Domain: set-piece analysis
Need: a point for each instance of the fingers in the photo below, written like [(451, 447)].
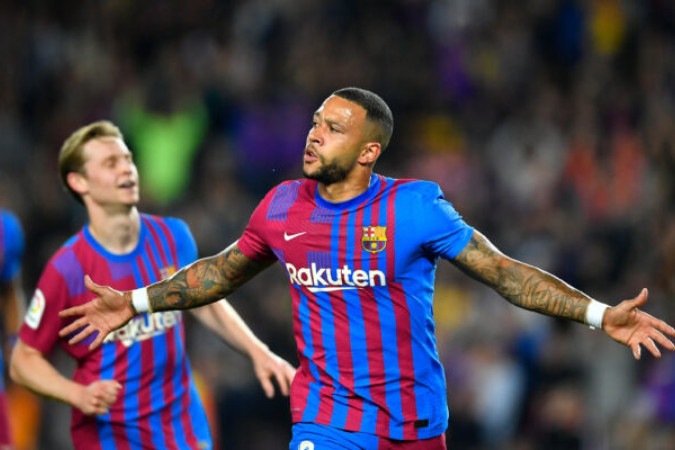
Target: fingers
[(289, 374), (84, 331), (652, 347), (97, 342), (637, 351), (638, 301), (93, 287), (100, 396), (268, 387), (74, 311), (72, 327), (663, 341), (662, 326)]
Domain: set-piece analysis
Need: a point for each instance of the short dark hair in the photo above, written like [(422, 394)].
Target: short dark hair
[(377, 110)]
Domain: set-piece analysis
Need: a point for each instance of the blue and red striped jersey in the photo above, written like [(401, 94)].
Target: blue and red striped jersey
[(158, 405), (361, 276), (11, 251)]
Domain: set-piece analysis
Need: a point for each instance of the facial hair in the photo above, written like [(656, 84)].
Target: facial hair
[(329, 173)]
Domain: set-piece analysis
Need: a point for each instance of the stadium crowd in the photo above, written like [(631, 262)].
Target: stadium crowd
[(549, 124)]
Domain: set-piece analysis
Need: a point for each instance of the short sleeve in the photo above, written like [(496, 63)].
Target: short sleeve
[(41, 323), (186, 246), (444, 231), (13, 243), (252, 242)]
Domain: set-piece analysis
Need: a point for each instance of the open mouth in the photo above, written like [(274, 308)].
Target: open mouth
[(310, 155), (127, 185)]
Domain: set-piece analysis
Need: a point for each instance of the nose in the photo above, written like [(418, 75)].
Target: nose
[(127, 165), (314, 136)]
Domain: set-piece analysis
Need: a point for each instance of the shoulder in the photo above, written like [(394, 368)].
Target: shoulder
[(291, 188), (286, 193), (10, 223), (419, 189), (166, 224)]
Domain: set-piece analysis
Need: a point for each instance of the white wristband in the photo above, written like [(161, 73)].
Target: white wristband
[(140, 300), (594, 314)]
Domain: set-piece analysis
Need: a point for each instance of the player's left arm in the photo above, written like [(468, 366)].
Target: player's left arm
[(531, 288), (224, 320)]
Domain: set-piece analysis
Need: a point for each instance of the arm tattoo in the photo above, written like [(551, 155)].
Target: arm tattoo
[(521, 284), (205, 281)]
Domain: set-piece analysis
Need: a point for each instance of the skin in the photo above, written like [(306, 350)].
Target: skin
[(109, 187), (340, 153)]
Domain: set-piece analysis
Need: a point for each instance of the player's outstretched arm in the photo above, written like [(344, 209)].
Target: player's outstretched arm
[(203, 282), (534, 289)]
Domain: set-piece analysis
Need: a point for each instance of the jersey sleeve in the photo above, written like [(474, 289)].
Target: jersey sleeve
[(186, 246), (14, 243), (42, 323), (252, 242), (444, 231)]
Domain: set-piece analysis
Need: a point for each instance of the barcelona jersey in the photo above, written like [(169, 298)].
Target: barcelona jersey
[(158, 405), (361, 276), (11, 252)]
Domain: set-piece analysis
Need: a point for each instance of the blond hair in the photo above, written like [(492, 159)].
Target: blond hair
[(71, 156)]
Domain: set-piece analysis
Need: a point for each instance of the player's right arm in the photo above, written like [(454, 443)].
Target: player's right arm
[(203, 282), (29, 368)]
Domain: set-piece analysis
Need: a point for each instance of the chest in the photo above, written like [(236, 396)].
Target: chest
[(332, 237)]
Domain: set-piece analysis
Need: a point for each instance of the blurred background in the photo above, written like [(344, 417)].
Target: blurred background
[(548, 123)]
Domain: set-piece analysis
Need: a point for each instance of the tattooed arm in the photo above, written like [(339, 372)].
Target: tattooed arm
[(205, 281), (534, 289), (521, 284)]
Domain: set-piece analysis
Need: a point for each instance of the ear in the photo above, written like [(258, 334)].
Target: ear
[(77, 182), (370, 152)]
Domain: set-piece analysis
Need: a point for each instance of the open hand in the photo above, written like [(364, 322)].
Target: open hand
[(268, 366), (626, 324), (107, 312)]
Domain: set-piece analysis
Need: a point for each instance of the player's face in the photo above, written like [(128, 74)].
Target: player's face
[(335, 140), (110, 175)]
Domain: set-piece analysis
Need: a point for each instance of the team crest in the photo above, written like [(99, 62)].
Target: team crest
[(374, 238), (166, 272)]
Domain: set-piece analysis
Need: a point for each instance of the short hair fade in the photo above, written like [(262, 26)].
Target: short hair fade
[(376, 108)]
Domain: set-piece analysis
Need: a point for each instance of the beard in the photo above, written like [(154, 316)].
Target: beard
[(328, 173)]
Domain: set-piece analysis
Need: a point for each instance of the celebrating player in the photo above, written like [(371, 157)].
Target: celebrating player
[(360, 251)]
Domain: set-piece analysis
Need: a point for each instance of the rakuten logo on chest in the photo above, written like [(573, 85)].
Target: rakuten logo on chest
[(322, 279), (144, 327)]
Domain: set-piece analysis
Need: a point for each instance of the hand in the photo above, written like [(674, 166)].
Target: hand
[(98, 397), (626, 324), (108, 312), (268, 366)]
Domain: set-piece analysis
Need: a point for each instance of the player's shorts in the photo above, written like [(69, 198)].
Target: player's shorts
[(310, 436)]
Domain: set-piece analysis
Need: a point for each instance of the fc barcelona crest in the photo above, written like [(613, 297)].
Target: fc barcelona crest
[(374, 239)]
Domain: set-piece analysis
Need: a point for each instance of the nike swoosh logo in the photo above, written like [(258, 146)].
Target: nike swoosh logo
[(288, 237)]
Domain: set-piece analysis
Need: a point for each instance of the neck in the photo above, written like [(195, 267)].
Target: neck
[(117, 231), (344, 190)]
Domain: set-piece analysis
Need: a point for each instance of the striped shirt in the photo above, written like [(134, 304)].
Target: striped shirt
[(158, 406), (361, 276)]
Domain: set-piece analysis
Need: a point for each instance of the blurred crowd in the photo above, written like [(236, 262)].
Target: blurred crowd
[(548, 123)]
